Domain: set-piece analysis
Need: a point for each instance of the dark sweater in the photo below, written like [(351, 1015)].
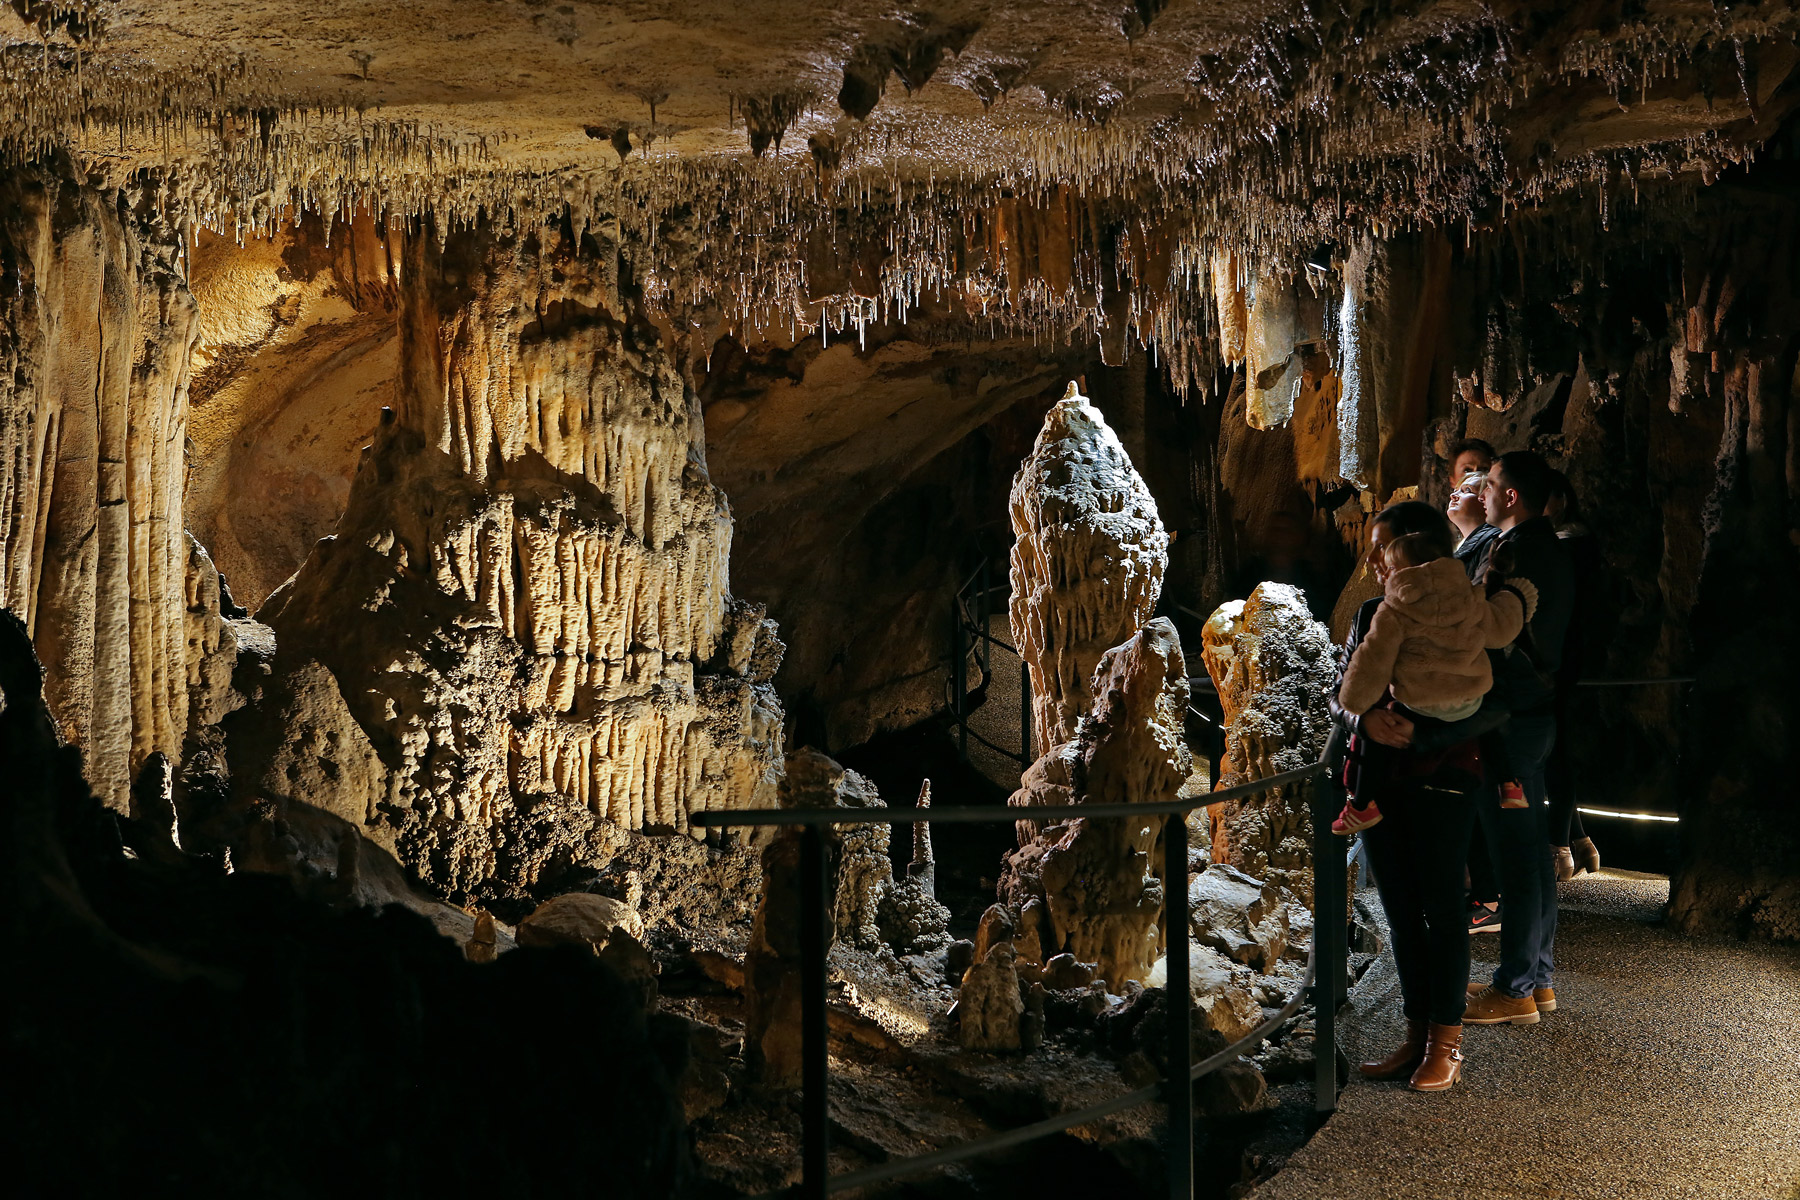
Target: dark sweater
[(1525, 672), (1470, 552)]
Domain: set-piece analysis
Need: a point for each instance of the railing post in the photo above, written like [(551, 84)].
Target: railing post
[(815, 1126), (1180, 1007), (1329, 947)]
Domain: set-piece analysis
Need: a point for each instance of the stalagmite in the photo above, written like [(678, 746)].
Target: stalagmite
[(1273, 666), (1088, 562), (1095, 878)]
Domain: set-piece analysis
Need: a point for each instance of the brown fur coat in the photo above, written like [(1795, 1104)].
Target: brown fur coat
[(1430, 638)]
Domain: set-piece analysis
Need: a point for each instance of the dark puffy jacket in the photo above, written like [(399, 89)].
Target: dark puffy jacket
[(1525, 672)]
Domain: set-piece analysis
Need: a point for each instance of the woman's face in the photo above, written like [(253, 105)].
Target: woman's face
[(1464, 508), (1380, 535)]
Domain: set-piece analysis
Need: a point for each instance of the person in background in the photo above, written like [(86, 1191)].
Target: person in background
[(1518, 839), (1470, 454), (1572, 851), (1469, 518)]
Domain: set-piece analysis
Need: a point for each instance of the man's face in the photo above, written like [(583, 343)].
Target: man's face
[(1469, 460), (1497, 500)]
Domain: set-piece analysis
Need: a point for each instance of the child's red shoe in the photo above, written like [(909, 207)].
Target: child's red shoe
[(1512, 795), (1355, 820)]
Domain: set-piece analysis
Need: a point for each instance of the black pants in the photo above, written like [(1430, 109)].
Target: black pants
[(1418, 851), (1559, 778)]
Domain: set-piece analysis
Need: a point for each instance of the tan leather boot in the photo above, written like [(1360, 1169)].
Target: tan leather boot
[(1443, 1060), (1587, 857), (1403, 1061), (1564, 861)]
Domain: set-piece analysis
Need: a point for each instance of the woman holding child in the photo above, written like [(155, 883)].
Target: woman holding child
[(1411, 697)]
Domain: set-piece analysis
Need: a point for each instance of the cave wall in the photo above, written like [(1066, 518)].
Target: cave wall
[(296, 354), (866, 477), (1651, 354), (96, 327)]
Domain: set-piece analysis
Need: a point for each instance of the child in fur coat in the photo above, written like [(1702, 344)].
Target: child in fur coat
[(1427, 646)]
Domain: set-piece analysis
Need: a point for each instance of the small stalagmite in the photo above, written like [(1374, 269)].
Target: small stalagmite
[(1274, 667), (1096, 878), (1088, 562)]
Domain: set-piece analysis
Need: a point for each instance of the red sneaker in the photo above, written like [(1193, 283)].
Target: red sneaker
[(1512, 795), (1355, 820)]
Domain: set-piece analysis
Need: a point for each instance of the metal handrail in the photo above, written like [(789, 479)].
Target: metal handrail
[(1329, 948)]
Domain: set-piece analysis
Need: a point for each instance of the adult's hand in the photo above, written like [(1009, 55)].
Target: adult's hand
[(1388, 727)]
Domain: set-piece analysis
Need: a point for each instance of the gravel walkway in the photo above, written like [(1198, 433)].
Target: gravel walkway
[(1671, 1068)]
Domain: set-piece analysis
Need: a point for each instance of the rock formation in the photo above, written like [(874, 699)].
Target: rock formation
[(1088, 562), (522, 626), (238, 971), (1272, 373), (95, 333), (1274, 667), (1096, 880), (869, 910)]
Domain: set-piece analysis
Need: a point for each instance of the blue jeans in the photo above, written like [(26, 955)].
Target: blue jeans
[(1518, 842)]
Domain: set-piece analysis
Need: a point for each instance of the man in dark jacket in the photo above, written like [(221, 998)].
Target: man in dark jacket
[(1526, 549)]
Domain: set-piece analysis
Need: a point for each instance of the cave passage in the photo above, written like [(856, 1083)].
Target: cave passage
[(456, 458)]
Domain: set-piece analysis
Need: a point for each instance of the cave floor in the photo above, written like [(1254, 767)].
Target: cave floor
[(1671, 1068)]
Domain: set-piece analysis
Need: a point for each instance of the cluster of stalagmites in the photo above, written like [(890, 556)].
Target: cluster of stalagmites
[(1078, 935)]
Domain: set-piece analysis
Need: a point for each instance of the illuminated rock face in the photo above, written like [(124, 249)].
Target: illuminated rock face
[(1274, 666), (1095, 878), (95, 334), (1088, 562), (525, 610)]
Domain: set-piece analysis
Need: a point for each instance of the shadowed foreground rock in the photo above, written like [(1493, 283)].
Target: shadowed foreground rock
[(175, 1029)]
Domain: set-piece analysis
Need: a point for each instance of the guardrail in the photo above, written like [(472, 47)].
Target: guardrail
[(1326, 982)]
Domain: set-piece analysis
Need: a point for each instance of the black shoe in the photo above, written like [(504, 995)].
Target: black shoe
[(1483, 919)]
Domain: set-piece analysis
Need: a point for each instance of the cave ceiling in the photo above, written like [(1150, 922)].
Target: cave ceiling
[(828, 163)]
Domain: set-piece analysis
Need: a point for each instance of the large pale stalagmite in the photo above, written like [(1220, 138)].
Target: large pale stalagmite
[(526, 607), (1088, 562), (1095, 878), (95, 334), (1274, 666)]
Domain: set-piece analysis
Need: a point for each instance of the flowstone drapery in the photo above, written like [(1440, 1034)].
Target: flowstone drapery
[(1088, 562), (523, 626), (1097, 888), (96, 327)]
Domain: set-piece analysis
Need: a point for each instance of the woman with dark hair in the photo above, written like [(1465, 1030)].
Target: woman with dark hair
[(1427, 798), (1572, 849)]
